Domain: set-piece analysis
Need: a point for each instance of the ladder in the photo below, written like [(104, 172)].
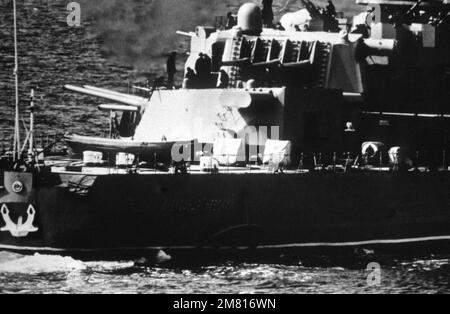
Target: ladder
[(322, 60), (236, 55)]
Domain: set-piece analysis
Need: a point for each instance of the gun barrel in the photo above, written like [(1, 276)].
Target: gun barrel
[(187, 34), (115, 107), (116, 97), (102, 90)]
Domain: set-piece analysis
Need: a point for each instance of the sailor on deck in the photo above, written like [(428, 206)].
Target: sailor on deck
[(330, 22), (231, 21), (203, 68), (190, 79), (267, 13), (171, 69), (224, 79)]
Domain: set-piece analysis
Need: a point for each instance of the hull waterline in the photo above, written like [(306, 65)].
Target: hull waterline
[(138, 215)]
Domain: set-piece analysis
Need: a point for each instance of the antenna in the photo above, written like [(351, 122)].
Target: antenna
[(31, 135), (16, 75)]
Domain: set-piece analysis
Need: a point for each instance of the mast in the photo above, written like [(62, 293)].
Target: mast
[(16, 76), (31, 135)]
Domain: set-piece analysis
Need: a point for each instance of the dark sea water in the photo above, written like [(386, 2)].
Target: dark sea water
[(119, 44), (54, 274)]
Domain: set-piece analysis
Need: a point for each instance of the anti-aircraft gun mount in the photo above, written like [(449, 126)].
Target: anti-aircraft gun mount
[(415, 79), (394, 12)]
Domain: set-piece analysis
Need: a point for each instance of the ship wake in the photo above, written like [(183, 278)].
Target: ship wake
[(36, 264)]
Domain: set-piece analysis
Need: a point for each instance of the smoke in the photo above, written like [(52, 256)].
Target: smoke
[(141, 32), (137, 31)]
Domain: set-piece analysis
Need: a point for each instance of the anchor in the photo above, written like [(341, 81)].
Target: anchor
[(19, 230)]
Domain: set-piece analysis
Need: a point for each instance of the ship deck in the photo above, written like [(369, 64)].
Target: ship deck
[(77, 167)]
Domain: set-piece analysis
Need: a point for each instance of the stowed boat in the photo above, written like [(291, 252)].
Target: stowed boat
[(308, 142)]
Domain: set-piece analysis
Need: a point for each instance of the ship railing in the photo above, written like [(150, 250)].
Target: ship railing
[(335, 162), (43, 141), (420, 161)]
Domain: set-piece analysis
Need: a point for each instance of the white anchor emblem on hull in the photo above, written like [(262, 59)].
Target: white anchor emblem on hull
[(19, 230)]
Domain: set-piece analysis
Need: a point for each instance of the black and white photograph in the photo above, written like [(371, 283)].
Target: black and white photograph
[(222, 155)]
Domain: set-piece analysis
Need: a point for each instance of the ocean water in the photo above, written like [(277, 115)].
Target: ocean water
[(119, 44), (55, 274), (122, 43)]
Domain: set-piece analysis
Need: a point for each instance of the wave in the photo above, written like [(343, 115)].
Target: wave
[(15, 263)]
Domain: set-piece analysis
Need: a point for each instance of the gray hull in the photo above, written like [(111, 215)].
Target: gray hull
[(134, 214)]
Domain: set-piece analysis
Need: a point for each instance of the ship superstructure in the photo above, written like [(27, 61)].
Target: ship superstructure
[(278, 139)]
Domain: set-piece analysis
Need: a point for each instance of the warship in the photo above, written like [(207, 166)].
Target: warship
[(282, 138)]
